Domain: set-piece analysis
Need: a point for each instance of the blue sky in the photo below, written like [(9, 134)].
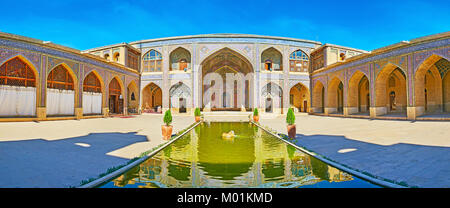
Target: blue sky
[(360, 24)]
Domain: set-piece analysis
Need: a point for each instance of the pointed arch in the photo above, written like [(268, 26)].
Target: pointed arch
[(180, 97), (19, 81), (299, 97), (429, 61), (272, 95), (151, 98), (116, 57), (62, 88), (271, 60), (92, 95), (25, 61), (152, 61), (215, 68), (390, 90), (428, 86), (116, 96), (318, 97), (358, 99), (180, 59), (62, 76), (298, 61), (335, 95), (132, 97), (93, 82)]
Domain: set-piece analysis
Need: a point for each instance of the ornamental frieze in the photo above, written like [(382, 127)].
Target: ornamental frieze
[(306, 50), (147, 82), (145, 50), (292, 83), (380, 65), (420, 57), (321, 79), (6, 54), (243, 49), (53, 62), (362, 68), (48, 51), (340, 75), (397, 52)]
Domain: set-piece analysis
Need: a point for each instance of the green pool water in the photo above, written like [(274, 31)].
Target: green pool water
[(253, 158)]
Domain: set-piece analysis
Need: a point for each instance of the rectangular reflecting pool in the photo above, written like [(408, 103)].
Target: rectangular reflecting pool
[(211, 156)]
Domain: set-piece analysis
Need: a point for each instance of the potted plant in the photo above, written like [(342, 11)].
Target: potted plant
[(167, 128), (290, 120), (197, 114), (255, 115)]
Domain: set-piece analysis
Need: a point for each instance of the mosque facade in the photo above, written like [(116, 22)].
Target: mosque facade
[(40, 80)]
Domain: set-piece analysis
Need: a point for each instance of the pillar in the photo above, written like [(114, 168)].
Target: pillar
[(165, 76), (285, 86)]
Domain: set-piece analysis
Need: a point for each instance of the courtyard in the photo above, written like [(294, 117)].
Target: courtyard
[(63, 153)]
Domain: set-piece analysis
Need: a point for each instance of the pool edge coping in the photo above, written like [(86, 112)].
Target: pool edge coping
[(335, 164), (127, 167)]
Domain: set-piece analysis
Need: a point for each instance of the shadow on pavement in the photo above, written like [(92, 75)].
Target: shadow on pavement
[(61, 163), (417, 165)]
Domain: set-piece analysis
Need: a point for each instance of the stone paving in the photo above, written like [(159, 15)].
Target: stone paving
[(416, 153), (63, 153), (59, 154)]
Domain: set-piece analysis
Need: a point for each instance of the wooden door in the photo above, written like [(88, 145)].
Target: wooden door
[(119, 106), (112, 104)]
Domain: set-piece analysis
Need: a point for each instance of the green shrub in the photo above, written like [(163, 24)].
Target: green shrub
[(197, 112), (255, 112), (168, 117), (290, 117)]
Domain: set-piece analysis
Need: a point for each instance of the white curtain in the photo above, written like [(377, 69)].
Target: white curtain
[(92, 103), (60, 102), (17, 101)]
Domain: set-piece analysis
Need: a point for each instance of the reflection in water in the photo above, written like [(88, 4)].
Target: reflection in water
[(253, 158)]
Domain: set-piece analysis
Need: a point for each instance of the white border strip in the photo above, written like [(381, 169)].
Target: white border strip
[(114, 174), (336, 165)]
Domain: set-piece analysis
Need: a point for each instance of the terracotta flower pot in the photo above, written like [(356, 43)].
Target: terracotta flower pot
[(197, 118), (256, 119), (292, 131), (166, 131)]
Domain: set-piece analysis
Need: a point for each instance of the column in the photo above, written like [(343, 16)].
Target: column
[(79, 93), (285, 79), (196, 102), (411, 110), (165, 76), (256, 80)]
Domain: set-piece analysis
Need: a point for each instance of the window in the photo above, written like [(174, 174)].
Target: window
[(179, 60), (15, 72), (132, 60), (92, 83), (116, 57), (59, 78), (298, 61), (271, 60), (152, 61)]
